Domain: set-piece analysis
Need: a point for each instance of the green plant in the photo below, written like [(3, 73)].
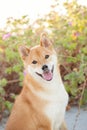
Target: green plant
[(11, 65)]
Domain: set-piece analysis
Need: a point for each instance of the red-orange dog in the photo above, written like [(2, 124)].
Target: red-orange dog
[(43, 100)]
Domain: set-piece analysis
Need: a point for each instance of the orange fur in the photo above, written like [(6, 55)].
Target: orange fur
[(27, 113)]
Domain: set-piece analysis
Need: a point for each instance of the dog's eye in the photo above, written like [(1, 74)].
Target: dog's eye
[(46, 56), (34, 62)]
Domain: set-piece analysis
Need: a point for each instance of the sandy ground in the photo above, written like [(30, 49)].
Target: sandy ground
[(70, 119)]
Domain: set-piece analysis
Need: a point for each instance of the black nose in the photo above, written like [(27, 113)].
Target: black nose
[(44, 67)]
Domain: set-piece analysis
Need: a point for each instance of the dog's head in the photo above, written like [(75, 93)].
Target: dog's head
[(40, 61)]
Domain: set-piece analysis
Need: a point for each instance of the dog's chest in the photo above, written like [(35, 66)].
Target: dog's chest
[(55, 113), (55, 109)]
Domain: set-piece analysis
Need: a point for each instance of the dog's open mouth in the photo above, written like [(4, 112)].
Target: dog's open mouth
[(47, 75)]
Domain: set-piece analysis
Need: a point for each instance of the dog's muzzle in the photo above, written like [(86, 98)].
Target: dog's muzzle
[(47, 74)]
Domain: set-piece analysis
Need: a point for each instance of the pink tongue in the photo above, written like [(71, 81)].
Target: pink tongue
[(47, 76)]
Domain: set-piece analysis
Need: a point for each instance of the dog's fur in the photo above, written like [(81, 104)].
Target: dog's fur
[(43, 100)]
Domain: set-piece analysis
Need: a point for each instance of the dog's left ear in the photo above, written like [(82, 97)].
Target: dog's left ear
[(44, 41), (24, 52)]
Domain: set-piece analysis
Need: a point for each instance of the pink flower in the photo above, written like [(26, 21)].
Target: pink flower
[(5, 36), (25, 72), (70, 23), (76, 34)]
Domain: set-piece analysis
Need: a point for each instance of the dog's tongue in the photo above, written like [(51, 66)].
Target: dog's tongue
[(47, 75)]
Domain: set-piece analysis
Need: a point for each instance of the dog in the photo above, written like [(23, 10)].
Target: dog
[(42, 102)]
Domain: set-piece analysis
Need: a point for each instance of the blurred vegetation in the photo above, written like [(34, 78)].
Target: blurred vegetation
[(69, 35)]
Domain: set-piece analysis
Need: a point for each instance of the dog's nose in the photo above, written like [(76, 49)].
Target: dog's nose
[(44, 67)]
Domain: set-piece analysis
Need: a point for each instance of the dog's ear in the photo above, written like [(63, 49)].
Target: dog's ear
[(24, 51), (44, 41)]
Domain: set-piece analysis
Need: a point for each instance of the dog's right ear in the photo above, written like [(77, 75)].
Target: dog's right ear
[(44, 41), (24, 51)]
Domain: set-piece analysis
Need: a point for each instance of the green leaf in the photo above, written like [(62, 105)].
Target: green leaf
[(71, 59), (84, 99), (8, 105), (16, 68), (3, 82), (84, 50), (8, 70)]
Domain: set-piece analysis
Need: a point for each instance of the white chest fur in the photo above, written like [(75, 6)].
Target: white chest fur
[(55, 109)]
